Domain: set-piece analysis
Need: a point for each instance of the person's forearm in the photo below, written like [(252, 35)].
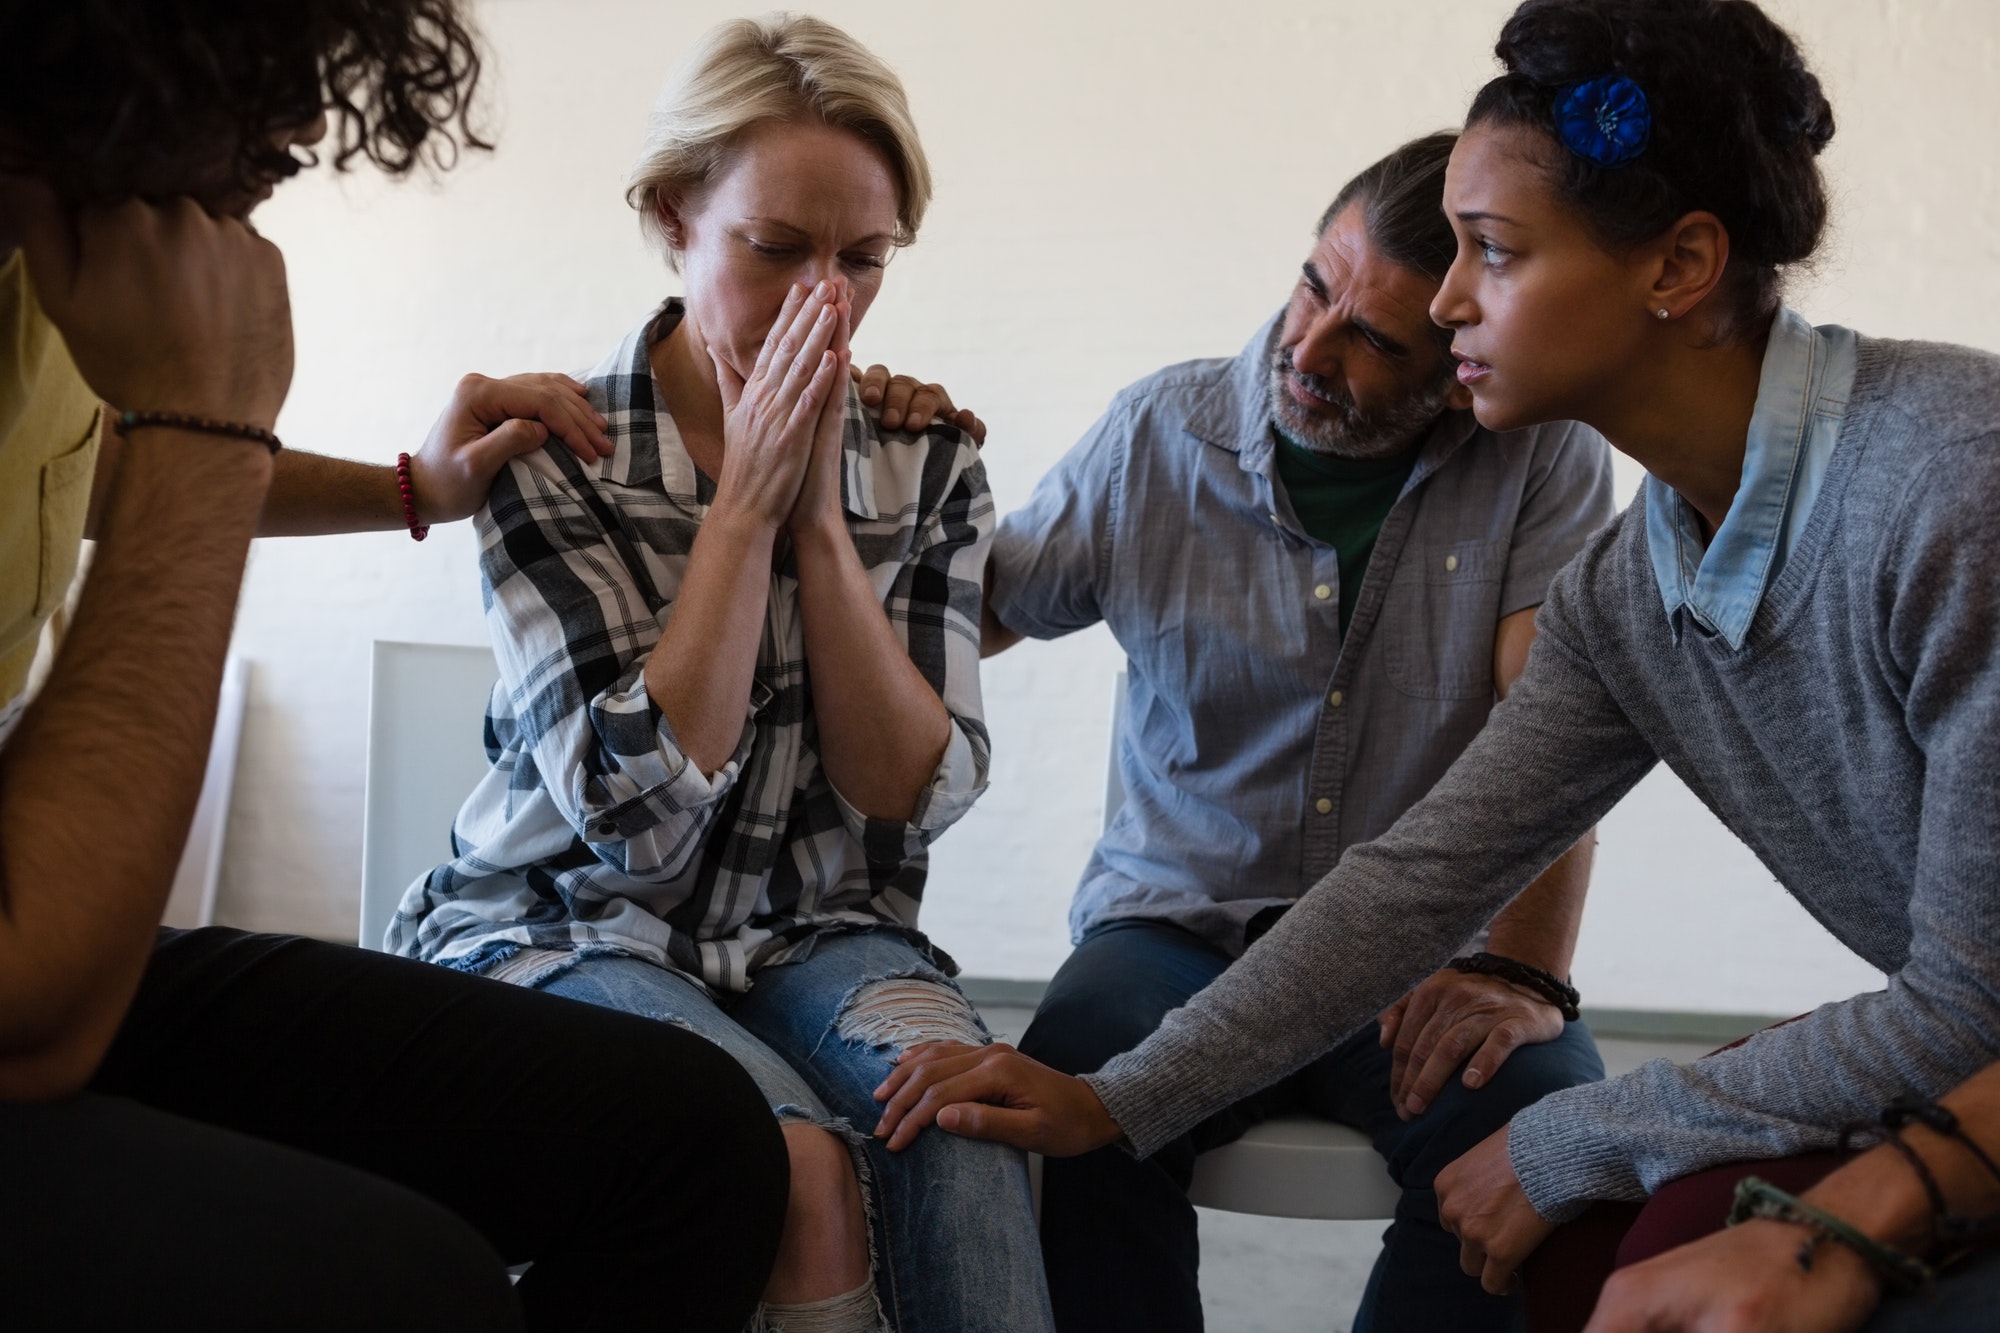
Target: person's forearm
[(882, 727), (1881, 1193), (700, 671), (1540, 926), (98, 784), (312, 495)]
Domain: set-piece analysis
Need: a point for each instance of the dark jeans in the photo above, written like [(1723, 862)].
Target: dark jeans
[(1118, 1235), (291, 1134)]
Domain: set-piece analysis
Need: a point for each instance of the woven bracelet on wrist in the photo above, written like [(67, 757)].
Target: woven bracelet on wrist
[(1907, 1110), (1955, 1235), (127, 422), (418, 531), (1942, 1222), (1550, 987), (1759, 1198)]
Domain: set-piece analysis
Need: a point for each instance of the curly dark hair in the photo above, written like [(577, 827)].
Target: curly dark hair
[(108, 99), (1738, 124)]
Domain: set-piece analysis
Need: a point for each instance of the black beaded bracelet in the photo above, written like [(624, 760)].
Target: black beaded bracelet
[(1550, 987), (128, 422)]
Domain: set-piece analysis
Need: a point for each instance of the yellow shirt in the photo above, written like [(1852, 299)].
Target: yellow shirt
[(48, 454)]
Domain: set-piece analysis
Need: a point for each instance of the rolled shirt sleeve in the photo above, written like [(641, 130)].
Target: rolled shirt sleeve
[(1051, 556)]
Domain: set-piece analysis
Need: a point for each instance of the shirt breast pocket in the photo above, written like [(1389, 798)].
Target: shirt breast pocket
[(64, 508), (1439, 620)]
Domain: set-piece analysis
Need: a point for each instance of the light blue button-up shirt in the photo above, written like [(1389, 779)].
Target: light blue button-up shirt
[(1801, 402), (1258, 743)]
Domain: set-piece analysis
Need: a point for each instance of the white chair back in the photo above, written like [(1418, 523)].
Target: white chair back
[(426, 720)]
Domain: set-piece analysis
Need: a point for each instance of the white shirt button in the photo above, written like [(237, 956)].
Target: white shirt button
[(1322, 592), (1336, 699), (1274, 518), (1323, 805), (1451, 564)]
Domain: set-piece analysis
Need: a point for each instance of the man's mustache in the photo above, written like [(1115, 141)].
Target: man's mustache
[(1319, 386)]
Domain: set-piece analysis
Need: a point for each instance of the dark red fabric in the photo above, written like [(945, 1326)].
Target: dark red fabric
[(1561, 1280), (1696, 1205)]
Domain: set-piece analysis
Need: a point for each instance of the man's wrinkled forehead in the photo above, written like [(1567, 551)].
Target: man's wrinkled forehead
[(1358, 278)]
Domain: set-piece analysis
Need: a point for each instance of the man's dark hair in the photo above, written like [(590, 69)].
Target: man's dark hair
[(1403, 205), (105, 99)]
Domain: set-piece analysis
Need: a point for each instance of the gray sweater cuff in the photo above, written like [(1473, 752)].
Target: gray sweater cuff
[(1151, 1106), (1562, 1167)]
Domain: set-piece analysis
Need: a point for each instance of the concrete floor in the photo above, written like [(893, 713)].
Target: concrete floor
[(1281, 1275)]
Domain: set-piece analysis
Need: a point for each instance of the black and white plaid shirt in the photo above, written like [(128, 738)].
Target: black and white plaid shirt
[(593, 830)]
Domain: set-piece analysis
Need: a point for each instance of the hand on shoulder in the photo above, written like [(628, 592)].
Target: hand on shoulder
[(907, 403), (491, 421)]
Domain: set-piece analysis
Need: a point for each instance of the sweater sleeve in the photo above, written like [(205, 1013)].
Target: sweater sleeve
[(1553, 758), (1789, 1088)]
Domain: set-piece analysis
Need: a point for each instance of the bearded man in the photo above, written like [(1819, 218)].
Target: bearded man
[(1323, 573)]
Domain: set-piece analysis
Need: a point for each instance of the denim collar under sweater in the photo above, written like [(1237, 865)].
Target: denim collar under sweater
[(1801, 403)]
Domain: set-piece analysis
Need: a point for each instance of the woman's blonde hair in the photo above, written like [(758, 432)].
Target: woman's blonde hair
[(780, 67)]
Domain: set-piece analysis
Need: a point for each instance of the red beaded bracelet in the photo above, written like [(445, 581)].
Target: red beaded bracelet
[(418, 531)]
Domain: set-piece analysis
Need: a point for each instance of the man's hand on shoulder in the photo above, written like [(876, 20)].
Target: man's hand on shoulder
[(489, 422), (1452, 1016), (910, 404)]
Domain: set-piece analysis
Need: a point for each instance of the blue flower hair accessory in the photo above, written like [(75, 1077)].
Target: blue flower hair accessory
[(1605, 120)]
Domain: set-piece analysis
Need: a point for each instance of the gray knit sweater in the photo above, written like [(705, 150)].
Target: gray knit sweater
[(1851, 744)]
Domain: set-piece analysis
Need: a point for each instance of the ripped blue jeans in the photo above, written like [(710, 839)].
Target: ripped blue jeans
[(951, 1225)]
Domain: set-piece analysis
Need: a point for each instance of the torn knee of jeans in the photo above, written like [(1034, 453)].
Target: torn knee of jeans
[(902, 1012), (857, 1311), (790, 1113)]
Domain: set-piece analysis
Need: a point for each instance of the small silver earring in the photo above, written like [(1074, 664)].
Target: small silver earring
[(1662, 313)]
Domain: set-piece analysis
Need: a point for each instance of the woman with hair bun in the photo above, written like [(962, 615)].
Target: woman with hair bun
[(1797, 615), (1784, 616)]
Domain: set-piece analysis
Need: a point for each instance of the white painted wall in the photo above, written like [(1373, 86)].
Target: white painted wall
[(1122, 184)]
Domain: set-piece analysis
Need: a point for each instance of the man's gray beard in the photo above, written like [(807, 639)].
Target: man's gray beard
[(1351, 433)]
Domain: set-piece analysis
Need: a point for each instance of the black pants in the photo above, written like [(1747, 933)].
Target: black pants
[(1118, 1234), (295, 1135)]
